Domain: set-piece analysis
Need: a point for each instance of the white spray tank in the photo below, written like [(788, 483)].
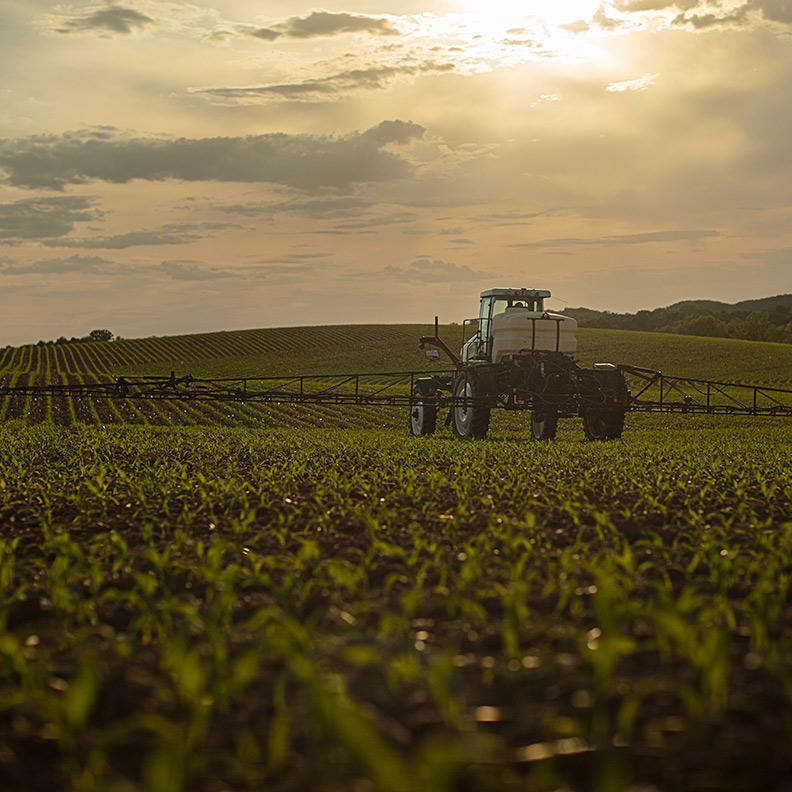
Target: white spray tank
[(519, 330)]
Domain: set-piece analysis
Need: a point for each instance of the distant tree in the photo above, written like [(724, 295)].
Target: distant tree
[(699, 325), (642, 321), (754, 327), (99, 335), (780, 315)]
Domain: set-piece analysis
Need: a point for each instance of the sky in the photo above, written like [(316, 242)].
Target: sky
[(170, 167)]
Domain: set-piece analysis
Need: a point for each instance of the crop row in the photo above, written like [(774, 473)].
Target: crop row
[(290, 351), (101, 357), (205, 609), (250, 353)]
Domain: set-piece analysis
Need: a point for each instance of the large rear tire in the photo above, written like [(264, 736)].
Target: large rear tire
[(469, 421), (603, 424), (423, 417), (544, 425)]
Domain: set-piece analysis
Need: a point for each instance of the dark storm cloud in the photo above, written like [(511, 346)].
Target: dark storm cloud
[(301, 161), (112, 19), (371, 79), (325, 23), (44, 218), (693, 235), (435, 271), (61, 266)]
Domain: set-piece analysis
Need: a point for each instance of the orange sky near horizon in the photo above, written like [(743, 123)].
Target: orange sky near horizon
[(170, 167)]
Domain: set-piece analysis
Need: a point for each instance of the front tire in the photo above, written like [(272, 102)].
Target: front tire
[(544, 425), (423, 417), (469, 421), (603, 424)]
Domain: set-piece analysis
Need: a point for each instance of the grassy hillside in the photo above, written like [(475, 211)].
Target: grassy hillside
[(323, 350), (690, 356)]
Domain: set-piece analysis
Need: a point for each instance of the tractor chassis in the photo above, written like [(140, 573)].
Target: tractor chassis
[(549, 384)]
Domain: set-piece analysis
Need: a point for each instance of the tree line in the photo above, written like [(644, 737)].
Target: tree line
[(773, 325), (94, 335)]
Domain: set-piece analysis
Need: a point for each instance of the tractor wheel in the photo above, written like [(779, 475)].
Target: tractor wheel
[(469, 421), (603, 425), (544, 425), (423, 417)]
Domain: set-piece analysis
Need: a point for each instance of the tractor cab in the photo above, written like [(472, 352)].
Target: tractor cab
[(514, 321)]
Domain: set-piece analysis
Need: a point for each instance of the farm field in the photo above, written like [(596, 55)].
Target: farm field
[(247, 597), (324, 350)]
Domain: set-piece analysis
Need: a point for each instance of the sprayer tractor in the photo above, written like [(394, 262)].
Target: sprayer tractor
[(521, 357)]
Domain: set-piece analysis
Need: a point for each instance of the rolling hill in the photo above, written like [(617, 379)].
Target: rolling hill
[(325, 350), (777, 309)]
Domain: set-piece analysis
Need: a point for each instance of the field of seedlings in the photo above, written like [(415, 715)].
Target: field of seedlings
[(216, 598)]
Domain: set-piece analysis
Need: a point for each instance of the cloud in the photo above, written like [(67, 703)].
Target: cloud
[(325, 23), (374, 222), (516, 217), (43, 218), (320, 207), (171, 234), (281, 272), (639, 84), (188, 270), (693, 235), (288, 265), (775, 10), (654, 5), (435, 271), (702, 21), (369, 79), (301, 161), (176, 269), (111, 19), (61, 266), (294, 258), (701, 15), (130, 239), (603, 19), (690, 14)]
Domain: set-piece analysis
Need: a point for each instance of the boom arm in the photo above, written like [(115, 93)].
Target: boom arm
[(435, 340)]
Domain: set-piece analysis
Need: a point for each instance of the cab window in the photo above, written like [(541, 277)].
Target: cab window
[(485, 333)]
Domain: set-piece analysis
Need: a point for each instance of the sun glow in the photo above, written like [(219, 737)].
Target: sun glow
[(496, 33), (507, 13)]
